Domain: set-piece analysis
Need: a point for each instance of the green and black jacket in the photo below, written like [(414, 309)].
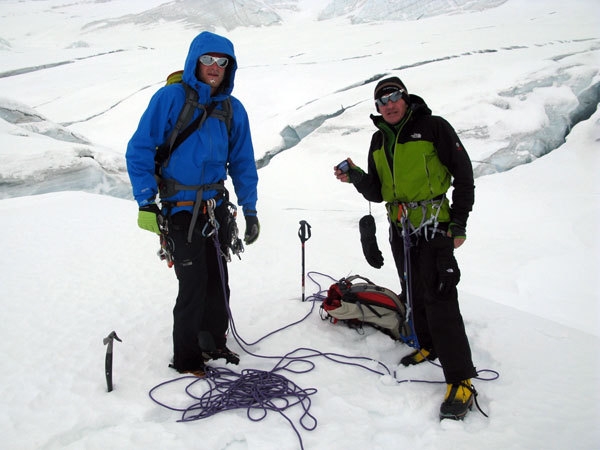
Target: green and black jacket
[(416, 161)]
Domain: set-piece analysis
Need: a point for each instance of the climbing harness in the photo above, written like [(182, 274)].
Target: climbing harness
[(429, 226), (168, 188), (232, 241)]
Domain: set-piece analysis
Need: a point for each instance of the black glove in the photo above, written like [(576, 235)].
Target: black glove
[(355, 174), (457, 231), (368, 240), (252, 229), (448, 274)]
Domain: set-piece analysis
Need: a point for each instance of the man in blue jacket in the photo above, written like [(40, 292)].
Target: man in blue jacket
[(193, 199)]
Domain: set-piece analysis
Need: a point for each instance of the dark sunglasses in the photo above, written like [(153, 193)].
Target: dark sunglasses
[(393, 97), (209, 60)]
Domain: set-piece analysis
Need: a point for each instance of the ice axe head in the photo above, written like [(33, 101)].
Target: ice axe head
[(110, 337)]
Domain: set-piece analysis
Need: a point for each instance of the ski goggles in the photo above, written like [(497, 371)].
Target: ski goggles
[(393, 97), (209, 60)]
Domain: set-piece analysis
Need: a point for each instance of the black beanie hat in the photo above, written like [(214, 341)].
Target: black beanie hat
[(389, 85)]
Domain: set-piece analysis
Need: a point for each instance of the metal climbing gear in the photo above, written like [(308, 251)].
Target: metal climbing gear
[(165, 252), (429, 225), (212, 225), (232, 239), (230, 232)]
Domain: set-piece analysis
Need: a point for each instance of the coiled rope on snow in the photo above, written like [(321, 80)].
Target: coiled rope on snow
[(259, 392)]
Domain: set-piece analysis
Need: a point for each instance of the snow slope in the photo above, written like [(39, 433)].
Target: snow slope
[(76, 267)]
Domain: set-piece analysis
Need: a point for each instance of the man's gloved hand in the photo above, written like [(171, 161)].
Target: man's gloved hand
[(148, 218), (252, 229), (448, 274), (457, 231), (368, 239), (355, 174), (348, 173)]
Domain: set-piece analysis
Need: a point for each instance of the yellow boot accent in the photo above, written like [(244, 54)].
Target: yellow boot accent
[(458, 400), (417, 357), (459, 392)]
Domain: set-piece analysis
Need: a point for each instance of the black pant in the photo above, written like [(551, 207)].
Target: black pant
[(437, 320), (200, 316)]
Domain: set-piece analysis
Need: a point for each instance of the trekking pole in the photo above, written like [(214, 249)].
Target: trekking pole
[(304, 235), (109, 358)]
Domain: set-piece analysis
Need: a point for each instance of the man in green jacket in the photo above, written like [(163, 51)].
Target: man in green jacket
[(414, 159)]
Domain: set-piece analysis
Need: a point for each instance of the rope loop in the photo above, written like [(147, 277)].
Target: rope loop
[(260, 392)]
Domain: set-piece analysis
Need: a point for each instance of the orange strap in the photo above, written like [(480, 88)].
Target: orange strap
[(400, 211), (191, 203)]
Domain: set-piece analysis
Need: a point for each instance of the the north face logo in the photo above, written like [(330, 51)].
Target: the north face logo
[(416, 135)]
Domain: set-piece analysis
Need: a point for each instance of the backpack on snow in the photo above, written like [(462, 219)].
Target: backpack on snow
[(366, 303), (183, 128)]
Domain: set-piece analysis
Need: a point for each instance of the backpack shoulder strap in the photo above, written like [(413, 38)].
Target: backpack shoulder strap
[(164, 151), (183, 128), (224, 114), (369, 286), (351, 278), (228, 113)]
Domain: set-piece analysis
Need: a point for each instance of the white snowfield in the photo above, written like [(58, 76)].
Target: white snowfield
[(518, 80)]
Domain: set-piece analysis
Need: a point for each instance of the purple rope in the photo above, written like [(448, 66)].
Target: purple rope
[(262, 391), (259, 391), (256, 391)]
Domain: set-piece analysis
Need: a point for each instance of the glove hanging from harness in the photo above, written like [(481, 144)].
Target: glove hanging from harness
[(368, 239)]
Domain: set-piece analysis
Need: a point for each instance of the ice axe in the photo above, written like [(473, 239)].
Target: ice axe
[(304, 235), (109, 358)]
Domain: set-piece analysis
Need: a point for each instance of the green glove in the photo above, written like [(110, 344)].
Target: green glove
[(147, 218)]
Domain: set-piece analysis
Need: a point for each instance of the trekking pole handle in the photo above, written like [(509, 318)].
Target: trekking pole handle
[(304, 231)]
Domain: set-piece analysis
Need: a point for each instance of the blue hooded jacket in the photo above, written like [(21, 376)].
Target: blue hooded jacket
[(209, 153)]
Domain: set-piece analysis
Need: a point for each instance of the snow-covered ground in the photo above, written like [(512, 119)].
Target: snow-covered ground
[(513, 77)]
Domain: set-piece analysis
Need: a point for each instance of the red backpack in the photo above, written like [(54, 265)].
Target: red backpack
[(366, 303)]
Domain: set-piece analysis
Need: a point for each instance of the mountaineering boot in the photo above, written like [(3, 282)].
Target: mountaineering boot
[(222, 353), (458, 401), (418, 356), (200, 373), (199, 370)]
